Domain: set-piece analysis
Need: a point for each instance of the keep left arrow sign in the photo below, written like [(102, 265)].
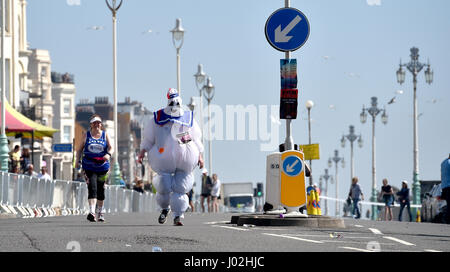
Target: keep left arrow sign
[(281, 35)]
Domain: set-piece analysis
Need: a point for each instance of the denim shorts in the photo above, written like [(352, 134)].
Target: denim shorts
[(388, 200)]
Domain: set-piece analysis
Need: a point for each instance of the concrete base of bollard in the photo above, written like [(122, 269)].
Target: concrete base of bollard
[(313, 221)]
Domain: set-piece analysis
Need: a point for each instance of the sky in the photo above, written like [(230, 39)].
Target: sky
[(352, 53)]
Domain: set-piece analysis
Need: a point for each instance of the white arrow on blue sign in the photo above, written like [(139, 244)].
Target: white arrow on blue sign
[(292, 166), (287, 29)]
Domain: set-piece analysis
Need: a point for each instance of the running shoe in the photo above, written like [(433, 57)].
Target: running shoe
[(163, 216), (100, 215), (91, 217), (177, 221)]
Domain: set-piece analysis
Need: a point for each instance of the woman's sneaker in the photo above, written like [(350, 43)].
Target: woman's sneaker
[(177, 221), (100, 215), (91, 217), (163, 216)]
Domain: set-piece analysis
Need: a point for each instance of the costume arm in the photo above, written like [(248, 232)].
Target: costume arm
[(197, 136), (148, 136)]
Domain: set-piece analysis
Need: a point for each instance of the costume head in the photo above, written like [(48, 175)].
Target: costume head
[(174, 103)]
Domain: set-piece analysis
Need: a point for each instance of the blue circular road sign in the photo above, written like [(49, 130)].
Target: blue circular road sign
[(292, 166), (287, 29)]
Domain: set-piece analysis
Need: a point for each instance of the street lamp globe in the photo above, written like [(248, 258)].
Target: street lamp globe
[(384, 117), (429, 75), (192, 104), (400, 75), (200, 75), (209, 87), (343, 162), (309, 104), (363, 115), (343, 141), (330, 163), (360, 141), (178, 33)]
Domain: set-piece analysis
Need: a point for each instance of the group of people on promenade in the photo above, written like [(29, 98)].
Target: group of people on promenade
[(387, 194), (20, 163)]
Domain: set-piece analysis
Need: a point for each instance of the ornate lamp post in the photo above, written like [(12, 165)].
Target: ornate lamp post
[(351, 137), (114, 8), (336, 159), (177, 38), (4, 149), (325, 176), (210, 91), (373, 111), (309, 105), (200, 77), (414, 66)]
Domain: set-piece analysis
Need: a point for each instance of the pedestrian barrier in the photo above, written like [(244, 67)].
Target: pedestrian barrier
[(27, 196)]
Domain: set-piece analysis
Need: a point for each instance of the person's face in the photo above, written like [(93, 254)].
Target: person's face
[(44, 169), (96, 125), (384, 182)]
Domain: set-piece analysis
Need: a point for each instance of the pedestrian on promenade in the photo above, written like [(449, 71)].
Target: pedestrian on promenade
[(403, 198), (215, 192), (44, 174), (14, 156), (445, 185), (139, 186), (95, 147), (356, 195), (30, 170), (388, 198), (191, 201), (206, 190), (173, 142), (25, 159)]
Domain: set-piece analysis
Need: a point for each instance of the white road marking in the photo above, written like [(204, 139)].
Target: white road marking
[(359, 226), (216, 222), (234, 228), (432, 250), (357, 249), (295, 238), (375, 231), (398, 240)]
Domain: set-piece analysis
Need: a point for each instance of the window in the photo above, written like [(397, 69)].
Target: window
[(66, 106), (66, 135)]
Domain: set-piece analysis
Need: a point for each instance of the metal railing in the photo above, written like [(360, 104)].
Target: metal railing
[(31, 196)]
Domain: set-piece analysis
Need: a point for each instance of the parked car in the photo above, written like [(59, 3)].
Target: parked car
[(433, 207)]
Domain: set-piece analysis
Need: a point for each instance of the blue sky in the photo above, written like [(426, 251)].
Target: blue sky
[(352, 54)]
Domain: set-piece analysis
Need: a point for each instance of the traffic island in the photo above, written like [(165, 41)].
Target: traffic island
[(312, 221)]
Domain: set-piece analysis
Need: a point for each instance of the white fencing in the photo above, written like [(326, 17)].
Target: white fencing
[(32, 197)]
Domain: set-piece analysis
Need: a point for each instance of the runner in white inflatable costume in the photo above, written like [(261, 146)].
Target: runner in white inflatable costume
[(173, 142)]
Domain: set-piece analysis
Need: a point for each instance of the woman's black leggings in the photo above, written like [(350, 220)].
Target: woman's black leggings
[(96, 184)]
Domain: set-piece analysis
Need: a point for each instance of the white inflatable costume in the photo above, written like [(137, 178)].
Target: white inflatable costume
[(173, 142)]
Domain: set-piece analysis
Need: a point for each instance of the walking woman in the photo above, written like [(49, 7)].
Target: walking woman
[(96, 150), (388, 198)]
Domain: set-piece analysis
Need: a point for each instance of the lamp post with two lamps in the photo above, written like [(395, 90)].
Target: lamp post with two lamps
[(351, 137), (4, 149), (200, 77), (336, 159), (309, 105), (374, 111), (414, 66), (209, 94), (114, 7), (325, 176), (177, 38)]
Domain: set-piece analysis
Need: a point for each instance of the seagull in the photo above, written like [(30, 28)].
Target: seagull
[(332, 107), (95, 28), (399, 92), (392, 100)]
